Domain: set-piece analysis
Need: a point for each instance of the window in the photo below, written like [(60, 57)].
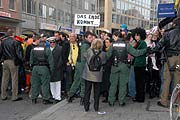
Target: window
[(67, 17), (42, 10), (0, 3), (114, 18), (61, 16), (93, 7), (52, 13), (29, 6), (86, 5), (80, 4), (33, 7), (74, 3), (12, 4), (24, 3)]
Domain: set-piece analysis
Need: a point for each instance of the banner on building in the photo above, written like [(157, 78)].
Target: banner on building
[(87, 20)]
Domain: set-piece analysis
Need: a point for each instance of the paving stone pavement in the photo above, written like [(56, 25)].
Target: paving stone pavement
[(132, 111)]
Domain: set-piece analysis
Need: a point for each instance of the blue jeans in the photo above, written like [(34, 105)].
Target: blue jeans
[(132, 83)]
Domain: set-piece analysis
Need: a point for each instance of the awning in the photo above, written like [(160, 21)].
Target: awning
[(10, 19)]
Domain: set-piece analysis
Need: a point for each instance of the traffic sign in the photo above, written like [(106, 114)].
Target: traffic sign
[(166, 10)]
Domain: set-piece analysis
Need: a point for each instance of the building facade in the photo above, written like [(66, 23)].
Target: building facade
[(134, 13), (47, 16), (10, 17)]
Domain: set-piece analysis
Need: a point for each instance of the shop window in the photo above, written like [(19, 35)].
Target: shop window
[(42, 10), (12, 4), (52, 13)]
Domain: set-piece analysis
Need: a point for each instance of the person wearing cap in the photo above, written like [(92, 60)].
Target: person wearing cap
[(41, 59), (57, 73), (124, 30)]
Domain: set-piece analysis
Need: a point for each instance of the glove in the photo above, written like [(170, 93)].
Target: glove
[(149, 50)]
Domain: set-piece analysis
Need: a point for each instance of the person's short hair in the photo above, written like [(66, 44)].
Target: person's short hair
[(118, 34), (176, 21), (57, 32), (97, 44), (9, 32), (36, 37), (87, 34)]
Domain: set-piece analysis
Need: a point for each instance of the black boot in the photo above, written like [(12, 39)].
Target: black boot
[(34, 101), (82, 101), (47, 102), (86, 107), (69, 99)]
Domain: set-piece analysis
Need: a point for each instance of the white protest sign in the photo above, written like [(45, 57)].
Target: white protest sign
[(87, 19)]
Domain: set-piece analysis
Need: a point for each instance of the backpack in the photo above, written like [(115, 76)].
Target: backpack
[(95, 62)]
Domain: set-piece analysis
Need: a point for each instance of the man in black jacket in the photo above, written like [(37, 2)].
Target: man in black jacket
[(171, 44), (62, 40), (11, 56)]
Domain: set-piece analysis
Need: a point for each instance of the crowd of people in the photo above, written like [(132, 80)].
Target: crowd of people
[(130, 63)]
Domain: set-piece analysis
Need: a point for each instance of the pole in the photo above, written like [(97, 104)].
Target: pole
[(71, 14)]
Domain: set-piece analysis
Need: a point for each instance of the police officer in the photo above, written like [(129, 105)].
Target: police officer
[(120, 68), (171, 43), (42, 61), (78, 81)]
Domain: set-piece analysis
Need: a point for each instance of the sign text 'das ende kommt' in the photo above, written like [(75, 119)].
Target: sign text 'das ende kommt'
[(87, 19)]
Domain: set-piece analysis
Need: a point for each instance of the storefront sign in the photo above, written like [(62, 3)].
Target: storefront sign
[(87, 19), (5, 14), (47, 26)]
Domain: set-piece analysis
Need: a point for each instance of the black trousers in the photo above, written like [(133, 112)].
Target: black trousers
[(69, 77), (88, 87), (140, 83)]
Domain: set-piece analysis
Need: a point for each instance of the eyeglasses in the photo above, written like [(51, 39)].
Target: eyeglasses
[(51, 42)]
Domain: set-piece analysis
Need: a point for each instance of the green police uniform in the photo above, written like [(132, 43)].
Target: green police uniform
[(120, 69), (78, 81), (42, 61)]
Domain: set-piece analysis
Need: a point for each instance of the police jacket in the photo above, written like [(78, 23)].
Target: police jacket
[(10, 50), (171, 42), (83, 46), (120, 51)]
